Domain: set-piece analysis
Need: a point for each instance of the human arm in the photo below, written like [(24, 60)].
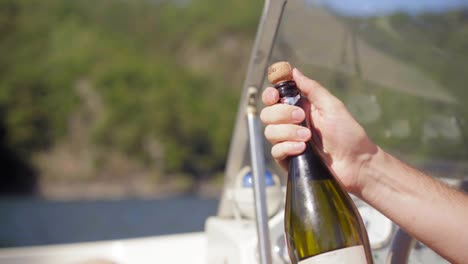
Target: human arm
[(430, 211)]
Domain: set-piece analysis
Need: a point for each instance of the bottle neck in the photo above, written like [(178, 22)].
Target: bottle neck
[(291, 95), (308, 165), (308, 162), (288, 92)]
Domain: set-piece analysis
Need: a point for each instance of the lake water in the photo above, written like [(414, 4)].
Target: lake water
[(31, 221)]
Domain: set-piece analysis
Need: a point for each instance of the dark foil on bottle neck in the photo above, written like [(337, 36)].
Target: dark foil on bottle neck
[(307, 164), (287, 89)]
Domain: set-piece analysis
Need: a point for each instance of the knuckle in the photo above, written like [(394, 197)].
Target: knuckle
[(292, 133), (276, 151), (265, 97), (269, 95), (314, 83), (273, 151), (267, 131), (263, 115), (339, 105)]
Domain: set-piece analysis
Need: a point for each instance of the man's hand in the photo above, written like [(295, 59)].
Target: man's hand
[(430, 211), (345, 143)]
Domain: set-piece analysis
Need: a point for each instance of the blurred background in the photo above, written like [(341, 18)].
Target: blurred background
[(116, 115), (116, 112)]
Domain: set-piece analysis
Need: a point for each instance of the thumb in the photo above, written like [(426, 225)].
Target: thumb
[(314, 91)]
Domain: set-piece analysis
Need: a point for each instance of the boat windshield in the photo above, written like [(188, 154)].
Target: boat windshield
[(401, 67)]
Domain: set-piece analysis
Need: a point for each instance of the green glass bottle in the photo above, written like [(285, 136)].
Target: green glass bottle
[(322, 224)]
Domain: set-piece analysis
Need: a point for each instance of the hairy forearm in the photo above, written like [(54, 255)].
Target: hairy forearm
[(430, 211)]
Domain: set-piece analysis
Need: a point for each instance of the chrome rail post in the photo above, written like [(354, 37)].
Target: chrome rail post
[(256, 72), (258, 176)]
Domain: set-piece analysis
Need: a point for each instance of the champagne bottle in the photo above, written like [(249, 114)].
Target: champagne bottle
[(322, 224)]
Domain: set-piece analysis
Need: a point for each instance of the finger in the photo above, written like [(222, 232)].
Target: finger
[(286, 132), (314, 91), (283, 150), (282, 114), (270, 96)]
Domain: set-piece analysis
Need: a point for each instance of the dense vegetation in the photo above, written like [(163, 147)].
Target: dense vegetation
[(155, 81), (437, 45), (92, 89)]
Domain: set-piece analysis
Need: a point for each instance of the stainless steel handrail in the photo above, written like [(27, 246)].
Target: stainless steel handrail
[(258, 64), (258, 176), (266, 34)]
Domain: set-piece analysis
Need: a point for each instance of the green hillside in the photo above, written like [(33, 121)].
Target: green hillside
[(145, 93), (96, 89)]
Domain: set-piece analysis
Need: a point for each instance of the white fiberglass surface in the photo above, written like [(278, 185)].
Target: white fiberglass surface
[(184, 248)]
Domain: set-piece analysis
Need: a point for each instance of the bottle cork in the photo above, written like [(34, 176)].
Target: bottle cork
[(280, 72)]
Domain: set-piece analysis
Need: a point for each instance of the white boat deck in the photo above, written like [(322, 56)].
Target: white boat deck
[(183, 248)]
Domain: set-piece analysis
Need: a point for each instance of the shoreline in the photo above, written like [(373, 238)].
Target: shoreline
[(124, 189)]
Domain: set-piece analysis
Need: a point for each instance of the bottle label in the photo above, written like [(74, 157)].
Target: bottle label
[(350, 255)]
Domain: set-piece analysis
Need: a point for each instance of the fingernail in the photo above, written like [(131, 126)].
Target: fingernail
[(297, 115), (303, 133), (296, 145)]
